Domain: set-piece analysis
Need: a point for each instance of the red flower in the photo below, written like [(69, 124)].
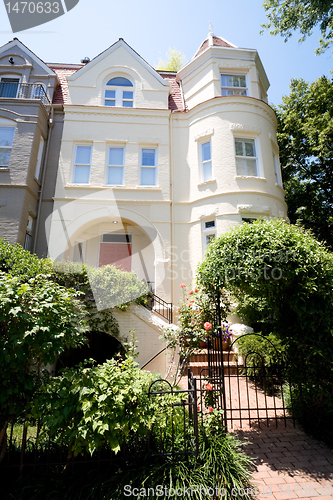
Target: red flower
[(196, 290), (207, 326), (199, 408), (182, 285), (191, 292), (210, 409), (209, 387)]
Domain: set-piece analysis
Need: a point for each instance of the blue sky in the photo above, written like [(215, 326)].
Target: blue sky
[(152, 26)]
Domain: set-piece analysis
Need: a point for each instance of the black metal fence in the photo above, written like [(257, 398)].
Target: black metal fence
[(27, 451)]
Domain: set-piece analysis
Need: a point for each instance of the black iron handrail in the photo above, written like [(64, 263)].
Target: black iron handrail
[(14, 90), (159, 306)]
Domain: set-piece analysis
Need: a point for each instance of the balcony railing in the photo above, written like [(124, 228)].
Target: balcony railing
[(13, 90)]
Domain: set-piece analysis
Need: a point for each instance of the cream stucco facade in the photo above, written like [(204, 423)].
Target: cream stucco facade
[(150, 165), (166, 219)]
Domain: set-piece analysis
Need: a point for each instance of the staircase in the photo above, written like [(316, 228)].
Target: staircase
[(199, 360)]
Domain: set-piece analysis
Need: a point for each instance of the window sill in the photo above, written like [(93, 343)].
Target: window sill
[(250, 177), (4, 169), (211, 181), (149, 188)]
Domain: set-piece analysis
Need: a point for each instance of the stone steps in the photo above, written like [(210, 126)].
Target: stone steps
[(199, 361)]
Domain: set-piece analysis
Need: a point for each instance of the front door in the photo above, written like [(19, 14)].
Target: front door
[(116, 249)]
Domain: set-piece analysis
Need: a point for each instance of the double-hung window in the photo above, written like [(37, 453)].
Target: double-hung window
[(233, 85), (206, 170), (277, 171), (115, 168), (82, 164), (6, 143), (9, 86), (119, 91), (246, 159), (39, 158), (208, 232), (148, 174)]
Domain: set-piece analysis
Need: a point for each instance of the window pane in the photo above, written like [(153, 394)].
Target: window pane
[(206, 152), (239, 148), (115, 175), (7, 136), (240, 166), (120, 82), (148, 157), (242, 81), (83, 154), (110, 103), (8, 87), (4, 157), (251, 167), (210, 223), (147, 176), (127, 95), (209, 238), (207, 171), (82, 174), (127, 104), (116, 156), (110, 94), (249, 148)]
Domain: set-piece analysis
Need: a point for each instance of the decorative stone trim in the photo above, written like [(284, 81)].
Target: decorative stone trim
[(254, 209)]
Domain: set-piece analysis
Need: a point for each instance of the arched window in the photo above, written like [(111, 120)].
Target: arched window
[(119, 91)]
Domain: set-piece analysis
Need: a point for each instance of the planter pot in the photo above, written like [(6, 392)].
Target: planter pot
[(217, 344)]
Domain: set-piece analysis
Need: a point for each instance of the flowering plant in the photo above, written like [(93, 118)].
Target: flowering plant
[(196, 314)]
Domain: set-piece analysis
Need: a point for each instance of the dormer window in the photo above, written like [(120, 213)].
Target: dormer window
[(119, 92), (233, 85)]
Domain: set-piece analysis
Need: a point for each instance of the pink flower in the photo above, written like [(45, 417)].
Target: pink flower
[(207, 326), (209, 387), (210, 409), (182, 285)]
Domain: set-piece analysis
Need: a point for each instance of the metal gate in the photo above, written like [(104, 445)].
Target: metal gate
[(249, 391)]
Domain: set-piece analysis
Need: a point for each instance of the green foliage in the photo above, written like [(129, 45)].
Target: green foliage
[(175, 60), (287, 16), (287, 268), (98, 407), (196, 315), (37, 319), (305, 136), (21, 262), (221, 463), (258, 350)]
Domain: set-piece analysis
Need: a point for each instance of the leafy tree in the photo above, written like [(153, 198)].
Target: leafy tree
[(286, 16), (305, 136), (175, 60), (292, 273), (38, 318)]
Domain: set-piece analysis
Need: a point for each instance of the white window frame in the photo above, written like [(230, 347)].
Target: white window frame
[(82, 254), (36, 90), (155, 167), (39, 158), (244, 157), (81, 164), (7, 147), (17, 77), (203, 162), (277, 169), (108, 166), (237, 89), (209, 231), (119, 92), (28, 233)]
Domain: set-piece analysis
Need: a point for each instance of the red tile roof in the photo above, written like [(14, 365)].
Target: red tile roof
[(62, 70), (217, 42)]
